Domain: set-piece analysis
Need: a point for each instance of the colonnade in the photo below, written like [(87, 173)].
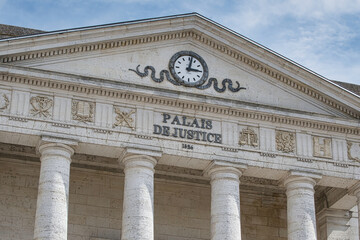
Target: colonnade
[(138, 206)]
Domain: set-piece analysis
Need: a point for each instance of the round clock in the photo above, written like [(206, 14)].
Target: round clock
[(188, 68)]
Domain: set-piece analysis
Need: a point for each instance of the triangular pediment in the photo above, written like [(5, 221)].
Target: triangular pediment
[(267, 81)]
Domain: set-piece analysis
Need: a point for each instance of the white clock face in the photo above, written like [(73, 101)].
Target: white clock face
[(188, 68)]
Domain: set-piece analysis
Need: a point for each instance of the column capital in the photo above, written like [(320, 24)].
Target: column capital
[(218, 166), (140, 157), (52, 142), (298, 176)]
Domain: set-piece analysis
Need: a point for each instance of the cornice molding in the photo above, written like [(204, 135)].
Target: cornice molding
[(155, 100), (195, 36)]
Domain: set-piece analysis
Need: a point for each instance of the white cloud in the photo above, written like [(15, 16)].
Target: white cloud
[(316, 34)]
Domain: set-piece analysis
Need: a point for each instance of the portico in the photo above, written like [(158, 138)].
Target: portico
[(102, 138)]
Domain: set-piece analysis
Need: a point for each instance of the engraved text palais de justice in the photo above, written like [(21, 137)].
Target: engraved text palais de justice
[(198, 128)]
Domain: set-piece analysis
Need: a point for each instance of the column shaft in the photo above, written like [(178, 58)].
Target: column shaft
[(357, 194), (225, 203), (300, 208), (51, 218), (138, 208)]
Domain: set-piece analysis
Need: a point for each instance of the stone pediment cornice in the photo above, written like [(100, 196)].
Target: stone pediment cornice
[(239, 57), (53, 82)]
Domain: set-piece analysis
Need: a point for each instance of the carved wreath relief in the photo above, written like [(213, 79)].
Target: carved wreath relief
[(285, 141), (4, 102), (353, 151), (248, 137), (82, 111), (124, 119), (322, 147), (41, 106)]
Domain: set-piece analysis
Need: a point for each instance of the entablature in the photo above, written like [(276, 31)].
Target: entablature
[(190, 134)]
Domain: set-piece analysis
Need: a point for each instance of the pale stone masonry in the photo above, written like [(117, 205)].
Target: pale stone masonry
[(51, 219), (225, 202), (172, 128), (357, 194), (138, 210), (301, 206)]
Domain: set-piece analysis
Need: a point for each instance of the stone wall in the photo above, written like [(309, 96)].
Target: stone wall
[(263, 213), (95, 207), (18, 194), (182, 211)]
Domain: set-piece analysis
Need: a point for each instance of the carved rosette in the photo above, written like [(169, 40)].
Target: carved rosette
[(248, 137), (82, 111), (285, 141), (322, 147), (353, 150), (124, 118), (4, 102), (41, 106)]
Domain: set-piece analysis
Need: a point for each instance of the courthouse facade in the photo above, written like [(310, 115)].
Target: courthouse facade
[(172, 128)]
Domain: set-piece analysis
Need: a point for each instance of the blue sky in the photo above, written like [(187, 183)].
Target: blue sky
[(322, 35)]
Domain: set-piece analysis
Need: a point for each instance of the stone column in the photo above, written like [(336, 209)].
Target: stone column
[(51, 217), (355, 191), (138, 205), (357, 194), (225, 202), (301, 206)]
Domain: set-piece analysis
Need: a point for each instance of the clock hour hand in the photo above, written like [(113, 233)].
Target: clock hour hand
[(193, 70)]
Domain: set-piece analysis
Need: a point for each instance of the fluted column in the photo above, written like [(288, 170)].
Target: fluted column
[(51, 218), (301, 206), (138, 205), (225, 202)]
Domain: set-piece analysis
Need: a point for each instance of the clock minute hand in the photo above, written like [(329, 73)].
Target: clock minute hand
[(189, 67)]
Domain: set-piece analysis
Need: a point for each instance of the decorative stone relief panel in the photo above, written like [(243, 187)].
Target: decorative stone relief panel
[(248, 137), (20, 103), (124, 118), (267, 136), (83, 111), (104, 115), (41, 106), (285, 141), (322, 147), (4, 101), (353, 151)]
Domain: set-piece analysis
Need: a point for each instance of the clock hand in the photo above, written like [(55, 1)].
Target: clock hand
[(189, 67), (193, 70)]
